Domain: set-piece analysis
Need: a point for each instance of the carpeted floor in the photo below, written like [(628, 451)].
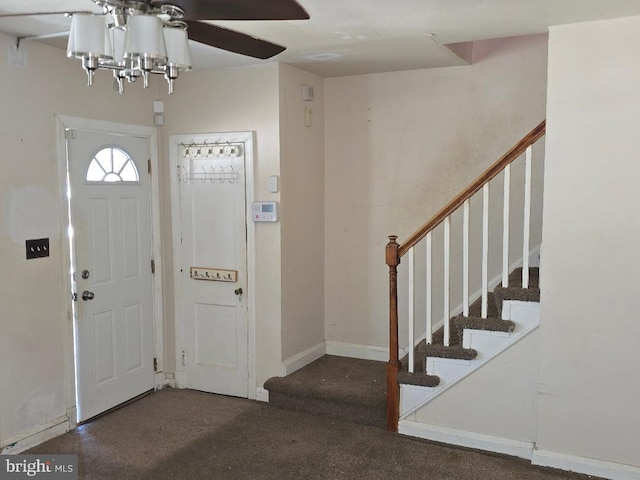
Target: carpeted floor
[(184, 434)]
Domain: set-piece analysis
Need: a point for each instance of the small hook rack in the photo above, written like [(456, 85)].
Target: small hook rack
[(211, 175)]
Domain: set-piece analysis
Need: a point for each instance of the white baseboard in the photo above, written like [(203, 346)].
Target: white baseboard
[(589, 466), (49, 430), (353, 350), (262, 395), (303, 358), (516, 448)]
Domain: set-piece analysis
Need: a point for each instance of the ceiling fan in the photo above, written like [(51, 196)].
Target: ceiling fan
[(135, 38)]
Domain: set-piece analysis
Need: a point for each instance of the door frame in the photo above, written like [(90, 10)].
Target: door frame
[(64, 123), (175, 141)]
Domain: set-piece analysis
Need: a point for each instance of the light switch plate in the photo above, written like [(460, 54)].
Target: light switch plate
[(37, 248)]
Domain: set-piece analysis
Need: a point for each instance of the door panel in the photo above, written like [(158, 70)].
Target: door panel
[(112, 243), (213, 229)]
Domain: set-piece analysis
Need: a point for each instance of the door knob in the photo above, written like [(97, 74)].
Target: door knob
[(87, 295), (238, 291)]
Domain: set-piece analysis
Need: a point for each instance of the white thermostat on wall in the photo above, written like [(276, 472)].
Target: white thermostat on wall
[(265, 212)]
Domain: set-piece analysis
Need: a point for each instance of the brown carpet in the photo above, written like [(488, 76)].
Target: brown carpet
[(349, 389), (184, 434)]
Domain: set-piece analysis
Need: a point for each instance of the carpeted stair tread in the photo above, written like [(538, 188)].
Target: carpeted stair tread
[(478, 323), (515, 293), (515, 277), (349, 380), (338, 387), (453, 351), (475, 309), (418, 378)]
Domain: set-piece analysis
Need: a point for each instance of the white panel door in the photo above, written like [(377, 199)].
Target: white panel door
[(110, 215), (213, 236)]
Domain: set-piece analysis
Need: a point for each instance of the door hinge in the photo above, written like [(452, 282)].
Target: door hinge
[(149, 166), (74, 296), (155, 364), (153, 267), (184, 354), (69, 134)]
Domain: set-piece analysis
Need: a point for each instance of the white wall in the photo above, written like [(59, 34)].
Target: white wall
[(589, 388), (302, 212), (398, 147), (228, 100), (35, 358)]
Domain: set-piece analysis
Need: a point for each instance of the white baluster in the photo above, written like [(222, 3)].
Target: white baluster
[(411, 308), (485, 247), (505, 227), (527, 218), (465, 259), (447, 235), (429, 337)]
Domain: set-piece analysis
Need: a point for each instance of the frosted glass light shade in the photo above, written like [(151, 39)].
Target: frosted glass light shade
[(89, 37), (144, 38), (118, 44), (178, 54)]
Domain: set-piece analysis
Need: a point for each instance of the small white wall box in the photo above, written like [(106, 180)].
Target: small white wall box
[(307, 93), (265, 212)]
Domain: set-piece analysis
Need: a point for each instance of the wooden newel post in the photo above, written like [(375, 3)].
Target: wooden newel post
[(393, 389)]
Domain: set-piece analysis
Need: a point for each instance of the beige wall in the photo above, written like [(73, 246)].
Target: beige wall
[(228, 100), (302, 212), (588, 386), (34, 358), (398, 147), (498, 400)]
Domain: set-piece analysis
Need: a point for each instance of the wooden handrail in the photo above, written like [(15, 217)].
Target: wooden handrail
[(515, 151)]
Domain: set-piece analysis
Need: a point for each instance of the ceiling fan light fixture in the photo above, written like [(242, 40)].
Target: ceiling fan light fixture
[(144, 43), (138, 38), (178, 54), (90, 42)]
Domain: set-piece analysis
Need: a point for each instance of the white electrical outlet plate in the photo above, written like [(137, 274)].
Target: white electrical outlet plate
[(273, 184)]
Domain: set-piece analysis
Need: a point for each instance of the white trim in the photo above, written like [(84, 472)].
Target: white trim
[(248, 137), (303, 358), (64, 122), (436, 433), (589, 466), (262, 395), (365, 352), (38, 435)]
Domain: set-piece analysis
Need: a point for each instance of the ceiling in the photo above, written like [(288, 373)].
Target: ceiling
[(348, 37)]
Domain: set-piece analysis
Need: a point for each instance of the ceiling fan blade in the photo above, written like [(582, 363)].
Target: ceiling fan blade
[(239, 9), (232, 41)]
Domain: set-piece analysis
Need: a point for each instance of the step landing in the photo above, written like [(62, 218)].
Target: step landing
[(344, 388)]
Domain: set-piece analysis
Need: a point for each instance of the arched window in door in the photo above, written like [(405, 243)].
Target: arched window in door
[(112, 164)]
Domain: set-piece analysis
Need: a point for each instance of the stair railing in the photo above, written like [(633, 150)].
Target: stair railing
[(395, 251)]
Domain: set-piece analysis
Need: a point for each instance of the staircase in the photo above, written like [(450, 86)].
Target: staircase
[(486, 324), (354, 390), (452, 355)]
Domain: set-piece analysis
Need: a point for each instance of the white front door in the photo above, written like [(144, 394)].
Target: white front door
[(110, 216), (211, 305)]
